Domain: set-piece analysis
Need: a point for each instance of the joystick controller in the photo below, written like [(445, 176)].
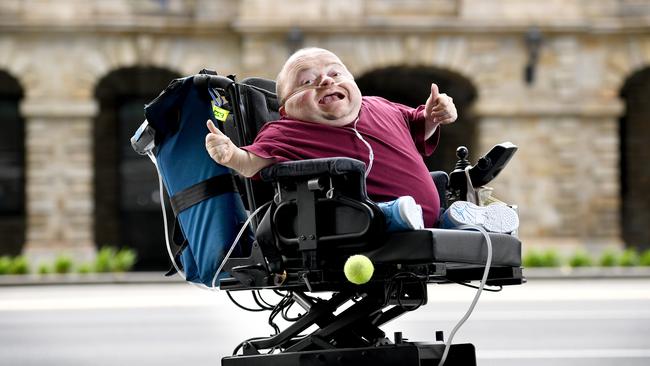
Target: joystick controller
[(486, 169), (457, 178)]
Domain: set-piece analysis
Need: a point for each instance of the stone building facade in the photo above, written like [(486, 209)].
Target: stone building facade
[(565, 80)]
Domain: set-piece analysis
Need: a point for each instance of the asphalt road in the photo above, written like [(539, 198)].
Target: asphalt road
[(545, 322)]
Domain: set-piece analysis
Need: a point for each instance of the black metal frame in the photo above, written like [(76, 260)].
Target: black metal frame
[(353, 334), (402, 354)]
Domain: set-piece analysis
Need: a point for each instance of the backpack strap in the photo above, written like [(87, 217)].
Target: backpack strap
[(201, 191)]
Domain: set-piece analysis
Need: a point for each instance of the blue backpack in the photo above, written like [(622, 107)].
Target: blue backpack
[(203, 194)]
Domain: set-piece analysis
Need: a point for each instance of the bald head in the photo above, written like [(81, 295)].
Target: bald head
[(295, 63), (315, 86)]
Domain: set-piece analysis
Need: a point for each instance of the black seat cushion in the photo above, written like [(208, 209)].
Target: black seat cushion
[(444, 245)]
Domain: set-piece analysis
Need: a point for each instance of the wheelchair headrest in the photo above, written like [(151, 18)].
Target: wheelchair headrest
[(260, 105)]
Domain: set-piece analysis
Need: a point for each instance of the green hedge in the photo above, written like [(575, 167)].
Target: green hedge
[(108, 259), (580, 258)]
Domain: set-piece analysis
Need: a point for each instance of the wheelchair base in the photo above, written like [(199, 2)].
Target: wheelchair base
[(403, 354)]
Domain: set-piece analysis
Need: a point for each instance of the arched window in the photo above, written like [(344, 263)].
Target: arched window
[(12, 167), (127, 207), (411, 86), (635, 158)]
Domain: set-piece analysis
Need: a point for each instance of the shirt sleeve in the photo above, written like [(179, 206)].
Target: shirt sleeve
[(416, 122), (270, 143)]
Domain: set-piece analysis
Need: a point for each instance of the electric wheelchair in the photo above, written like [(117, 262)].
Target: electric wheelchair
[(314, 215)]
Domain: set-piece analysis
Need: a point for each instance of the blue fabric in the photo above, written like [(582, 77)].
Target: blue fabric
[(179, 115), (394, 221)]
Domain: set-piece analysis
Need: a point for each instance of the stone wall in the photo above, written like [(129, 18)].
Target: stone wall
[(565, 176)]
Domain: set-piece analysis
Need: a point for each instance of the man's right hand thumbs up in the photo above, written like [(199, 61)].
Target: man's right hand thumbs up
[(218, 145)]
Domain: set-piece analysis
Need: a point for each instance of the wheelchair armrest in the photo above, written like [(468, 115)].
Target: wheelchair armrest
[(311, 168), (348, 174)]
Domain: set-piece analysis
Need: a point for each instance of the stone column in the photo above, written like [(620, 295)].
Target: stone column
[(59, 178)]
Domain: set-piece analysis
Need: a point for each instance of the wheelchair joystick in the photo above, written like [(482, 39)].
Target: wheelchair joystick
[(486, 169), (458, 179), (461, 153)]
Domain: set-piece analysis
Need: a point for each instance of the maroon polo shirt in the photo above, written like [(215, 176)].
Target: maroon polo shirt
[(396, 134)]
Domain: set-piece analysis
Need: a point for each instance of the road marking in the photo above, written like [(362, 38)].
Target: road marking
[(533, 315), (563, 353)]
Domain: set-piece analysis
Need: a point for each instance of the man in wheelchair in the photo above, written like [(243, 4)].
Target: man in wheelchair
[(329, 155), (324, 115)]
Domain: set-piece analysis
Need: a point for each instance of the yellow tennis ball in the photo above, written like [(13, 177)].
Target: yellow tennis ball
[(358, 269)]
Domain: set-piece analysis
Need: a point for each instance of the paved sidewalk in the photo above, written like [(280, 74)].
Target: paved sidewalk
[(90, 278)]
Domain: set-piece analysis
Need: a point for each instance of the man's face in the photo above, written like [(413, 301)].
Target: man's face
[(319, 88)]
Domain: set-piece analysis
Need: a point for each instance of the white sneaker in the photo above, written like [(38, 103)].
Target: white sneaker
[(402, 214), (496, 218), (410, 212)]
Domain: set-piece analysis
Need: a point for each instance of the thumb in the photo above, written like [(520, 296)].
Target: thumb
[(434, 91), (213, 128)]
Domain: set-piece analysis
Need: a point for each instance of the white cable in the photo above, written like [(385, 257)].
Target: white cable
[(232, 247), (371, 154), (488, 262), (164, 214)]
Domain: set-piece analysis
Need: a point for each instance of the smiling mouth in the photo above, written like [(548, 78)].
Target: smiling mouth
[(329, 98)]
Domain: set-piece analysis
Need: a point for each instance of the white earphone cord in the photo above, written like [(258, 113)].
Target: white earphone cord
[(371, 154)]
